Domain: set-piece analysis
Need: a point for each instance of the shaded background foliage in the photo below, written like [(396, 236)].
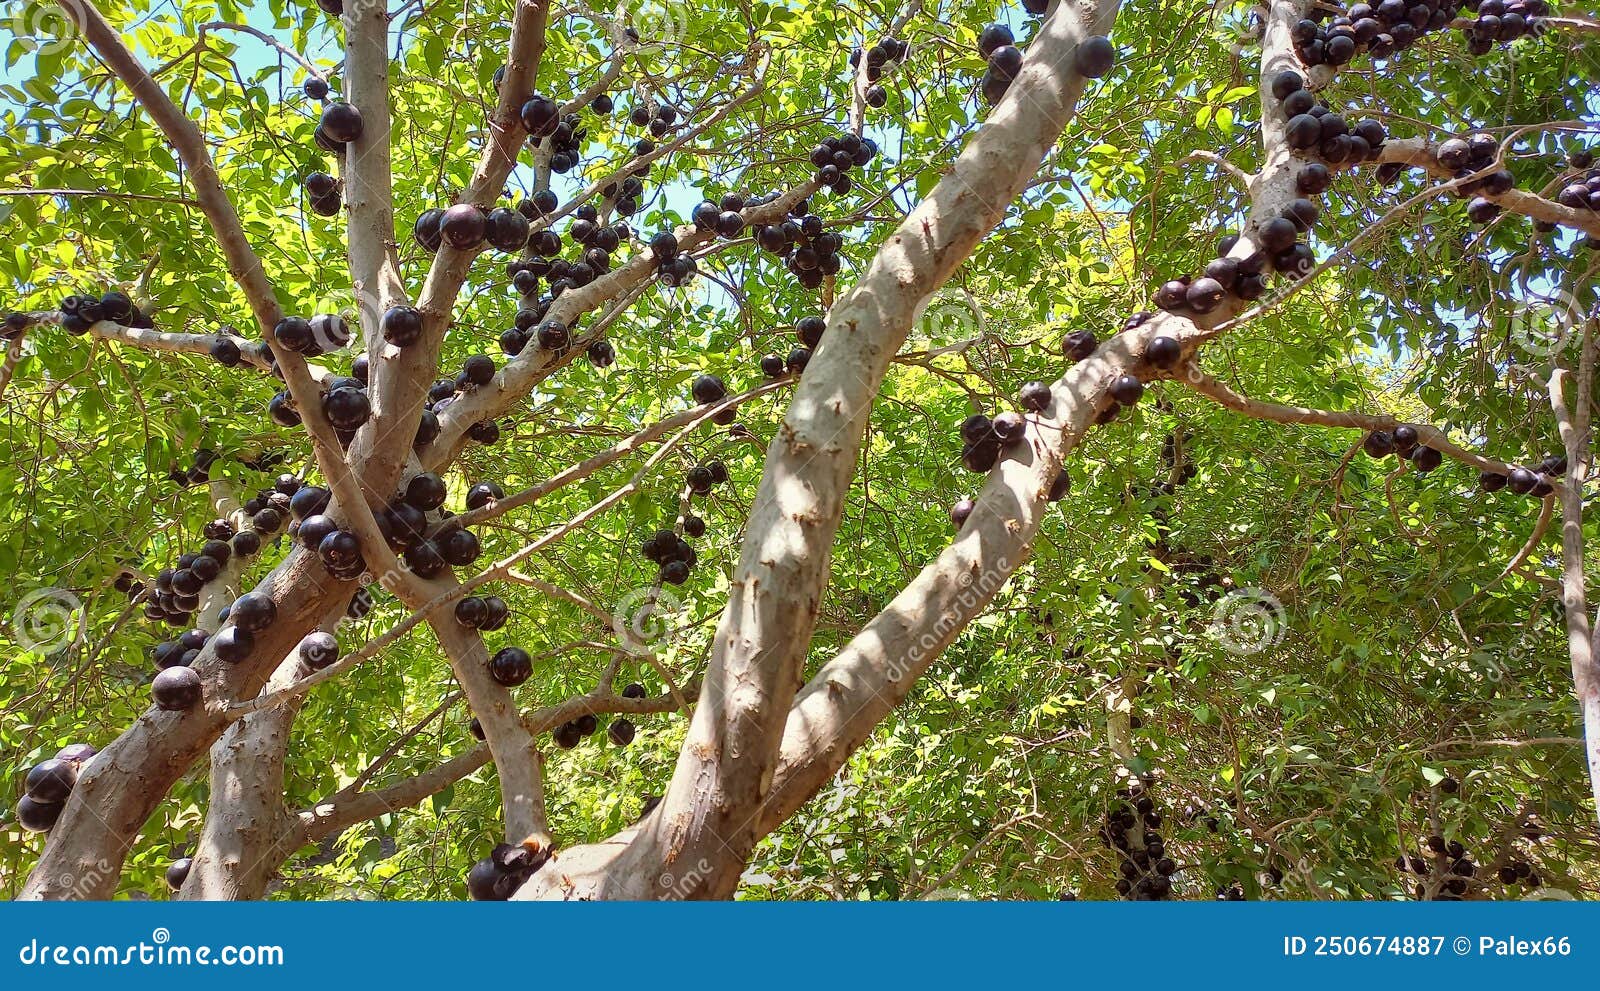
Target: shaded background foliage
[(1400, 655)]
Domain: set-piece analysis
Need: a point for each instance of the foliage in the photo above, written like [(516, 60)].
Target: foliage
[(1404, 654)]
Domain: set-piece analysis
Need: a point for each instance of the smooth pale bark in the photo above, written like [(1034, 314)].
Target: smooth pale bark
[(123, 784), (371, 247), (1583, 652), (400, 376), (245, 814), (517, 761), (852, 693), (875, 671), (696, 843)]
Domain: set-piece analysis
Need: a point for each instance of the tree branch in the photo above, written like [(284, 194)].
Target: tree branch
[(697, 841), (162, 341), (688, 418), (1420, 153), (1574, 427), (498, 571), (1428, 436), (401, 376), (243, 264), (350, 806), (517, 761)]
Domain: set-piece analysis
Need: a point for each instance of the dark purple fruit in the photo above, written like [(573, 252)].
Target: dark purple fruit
[(176, 689), (1094, 57), (621, 732), (51, 780), (510, 666), (178, 870), (961, 511), (1286, 82), (1205, 294), (1521, 481), (483, 494), (1126, 390), (463, 226), (402, 325), (1278, 235), (977, 429), (426, 491), (319, 650), (1006, 62), (992, 37), (341, 122), (232, 644), (1173, 295), (1163, 352), (426, 230), (37, 817), (708, 389), (1304, 131), (459, 547), (1079, 345), (253, 612), (1009, 428), (981, 457)]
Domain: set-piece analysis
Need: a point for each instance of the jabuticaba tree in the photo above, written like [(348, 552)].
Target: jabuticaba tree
[(1055, 450)]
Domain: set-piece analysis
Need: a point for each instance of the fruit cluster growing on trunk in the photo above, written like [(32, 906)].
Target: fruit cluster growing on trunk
[(80, 312), (49, 784), (1093, 58), (1382, 29), (498, 876), (810, 252), (882, 57), (835, 156), (1131, 829)]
